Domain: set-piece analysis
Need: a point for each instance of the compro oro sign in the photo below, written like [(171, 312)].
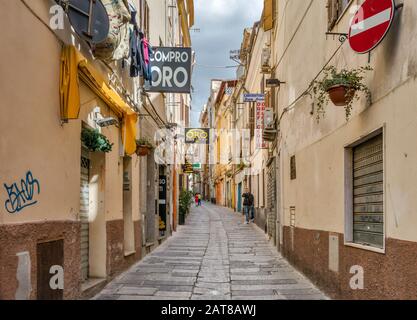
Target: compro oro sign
[(197, 136), (171, 70), (370, 24)]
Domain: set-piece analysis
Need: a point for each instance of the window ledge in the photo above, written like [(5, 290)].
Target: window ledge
[(91, 283), (363, 247), (129, 253)]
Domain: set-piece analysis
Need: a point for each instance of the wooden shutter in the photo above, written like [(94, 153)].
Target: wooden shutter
[(252, 119), (368, 193), (333, 12), (293, 168)]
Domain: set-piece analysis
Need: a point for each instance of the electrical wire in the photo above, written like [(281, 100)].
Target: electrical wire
[(216, 67)]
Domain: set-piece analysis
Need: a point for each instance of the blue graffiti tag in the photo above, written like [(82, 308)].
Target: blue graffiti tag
[(23, 197)]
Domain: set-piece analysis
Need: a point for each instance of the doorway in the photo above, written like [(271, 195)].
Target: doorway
[(85, 213), (239, 197)]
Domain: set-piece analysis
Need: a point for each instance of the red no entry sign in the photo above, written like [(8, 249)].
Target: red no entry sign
[(370, 24)]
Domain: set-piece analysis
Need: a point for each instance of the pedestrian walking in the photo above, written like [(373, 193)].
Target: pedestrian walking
[(199, 200), (248, 206), (196, 199)]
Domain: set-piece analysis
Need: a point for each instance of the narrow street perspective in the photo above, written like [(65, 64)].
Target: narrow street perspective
[(215, 256), (208, 150)]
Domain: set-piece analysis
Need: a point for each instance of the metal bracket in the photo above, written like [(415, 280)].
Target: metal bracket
[(342, 36)]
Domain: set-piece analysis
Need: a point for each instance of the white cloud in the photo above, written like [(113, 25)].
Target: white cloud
[(221, 23), (215, 9)]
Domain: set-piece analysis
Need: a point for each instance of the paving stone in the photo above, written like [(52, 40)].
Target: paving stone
[(175, 288), (139, 291), (267, 286), (146, 298), (207, 297), (266, 282), (174, 295), (212, 292), (254, 293), (251, 298), (276, 276)]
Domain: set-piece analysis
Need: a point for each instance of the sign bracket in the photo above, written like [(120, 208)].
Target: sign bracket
[(342, 36)]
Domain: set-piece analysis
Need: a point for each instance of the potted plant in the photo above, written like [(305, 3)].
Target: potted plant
[(143, 147), (185, 201), (94, 141), (341, 87)]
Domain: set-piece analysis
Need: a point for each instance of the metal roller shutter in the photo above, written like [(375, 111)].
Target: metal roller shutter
[(368, 193), (271, 201), (84, 214)]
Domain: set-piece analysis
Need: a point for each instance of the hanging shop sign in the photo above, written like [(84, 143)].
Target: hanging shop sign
[(187, 168), (260, 125), (171, 70), (89, 20), (253, 97), (371, 24), (197, 136)]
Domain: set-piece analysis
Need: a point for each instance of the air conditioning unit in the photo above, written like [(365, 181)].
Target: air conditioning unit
[(266, 60)]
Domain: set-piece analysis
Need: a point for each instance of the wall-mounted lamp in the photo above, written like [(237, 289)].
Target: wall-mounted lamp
[(273, 83), (107, 122)]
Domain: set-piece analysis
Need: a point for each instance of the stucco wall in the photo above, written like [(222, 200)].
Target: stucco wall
[(318, 191)]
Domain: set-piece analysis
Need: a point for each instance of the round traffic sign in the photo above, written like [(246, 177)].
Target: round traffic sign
[(370, 24)]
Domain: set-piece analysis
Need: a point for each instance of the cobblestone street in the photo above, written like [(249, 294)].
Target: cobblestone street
[(213, 257)]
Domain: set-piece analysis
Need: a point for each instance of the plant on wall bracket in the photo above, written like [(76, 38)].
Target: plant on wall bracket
[(143, 147), (94, 141), (341, 87)]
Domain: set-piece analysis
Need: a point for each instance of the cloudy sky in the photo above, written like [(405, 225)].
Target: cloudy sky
[(221, 24)]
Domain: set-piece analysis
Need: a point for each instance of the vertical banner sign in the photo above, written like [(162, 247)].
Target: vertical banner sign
[(260, 125), (171, 70), (163, 202)]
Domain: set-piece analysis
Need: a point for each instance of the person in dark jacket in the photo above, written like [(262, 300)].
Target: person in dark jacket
[(248, 206)]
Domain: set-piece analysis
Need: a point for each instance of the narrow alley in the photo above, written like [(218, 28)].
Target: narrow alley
[(213, 257)]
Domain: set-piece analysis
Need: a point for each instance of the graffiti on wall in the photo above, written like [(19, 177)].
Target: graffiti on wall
[(23, 195)]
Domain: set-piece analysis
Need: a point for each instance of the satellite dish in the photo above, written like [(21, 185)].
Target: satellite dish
[(89, 19)]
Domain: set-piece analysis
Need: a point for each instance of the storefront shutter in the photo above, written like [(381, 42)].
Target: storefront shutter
[(84, 213), (368, 193)]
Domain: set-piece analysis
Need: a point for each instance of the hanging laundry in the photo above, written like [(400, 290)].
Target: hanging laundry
[(116, 46), (147, 53), (140, 50), (135, 53)]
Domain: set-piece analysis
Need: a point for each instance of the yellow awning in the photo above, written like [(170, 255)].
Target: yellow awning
[(74, 66)]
